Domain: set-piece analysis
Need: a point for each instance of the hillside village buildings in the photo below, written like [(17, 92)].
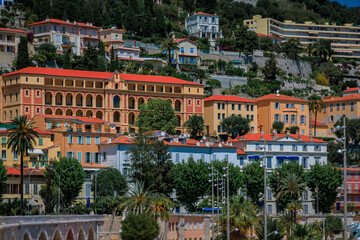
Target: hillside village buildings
[(345, 39)]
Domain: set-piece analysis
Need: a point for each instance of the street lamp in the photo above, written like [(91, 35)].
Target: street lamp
[(317, 195), (265, 213), (274, 232), (212, 199), (343, 151), (234, 230), (59, 184)]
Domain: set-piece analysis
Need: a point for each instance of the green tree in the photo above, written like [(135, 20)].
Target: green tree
[(270, 69), (278, 126), (293, 129), (291, 187), (21, 140), (156, 114), (302, 232), (72, 178), (151, 164), (236, 178), (191, 182), (53, 197), (3, 178), (159, 207), (292, 48), (200, 75), (109, 182), (266, 44), (323, 50), (168, 45), (23, 59), (139, 227), (316, 104), (253, 181), (272, 225), (112, 66), (137, 199), (327, 179), (236, 125), (333, 226), (293, 207), (195, 125)]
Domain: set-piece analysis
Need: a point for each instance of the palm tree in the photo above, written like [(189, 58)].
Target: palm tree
[(316, 104), (302, 232), (137, 199), (272, 225), (195, 125), (168, 45), (287, 219), (293, 207), (159, 207), (290, 186), (22, 140), (200, 75)]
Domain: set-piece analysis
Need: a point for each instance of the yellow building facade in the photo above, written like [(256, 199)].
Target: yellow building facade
[(289, 110), (345, 39), (219, 107)]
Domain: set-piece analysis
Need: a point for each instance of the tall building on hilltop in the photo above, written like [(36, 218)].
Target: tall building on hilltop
[(204, 25), (345, 39), (65, 35), (112, 97)]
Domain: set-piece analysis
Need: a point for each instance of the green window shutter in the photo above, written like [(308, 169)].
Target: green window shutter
[(3, 140), (40, 141), (59, 154)]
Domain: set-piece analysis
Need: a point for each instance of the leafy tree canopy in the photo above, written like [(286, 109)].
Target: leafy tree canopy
[(236, 125), (139, 227), (278, 126), (254, 181), (195, 125), (109, 182)]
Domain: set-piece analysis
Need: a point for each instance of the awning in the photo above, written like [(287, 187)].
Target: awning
[(254, 157), (36, 151), (290, 158), (209, 209), (33, 203)]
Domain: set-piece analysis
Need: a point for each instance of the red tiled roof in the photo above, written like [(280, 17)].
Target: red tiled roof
[(228, 98), (120, 140), (312, 123), (132, 59), (35, 129), (202, 13), (13, 30), (52, 20), (12, 171), (279, 97), (89, 119), (344, 98), (57, 116), (156, 79), (27, 171), (269, 137), (92, 165), (63, 72), (240, 152), (351, 89), (184, 39)]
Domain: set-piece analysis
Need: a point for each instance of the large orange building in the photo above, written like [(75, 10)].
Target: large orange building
[(112, 97), (289, 110)]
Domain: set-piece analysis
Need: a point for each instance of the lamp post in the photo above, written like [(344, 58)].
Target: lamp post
[(265, 200), (212, 199), (317, 195), (217, 200), (95, 174), (59, 184), (343, 151), (227, 195)]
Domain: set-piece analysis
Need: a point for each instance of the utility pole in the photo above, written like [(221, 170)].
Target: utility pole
[(265, 212), (228, 208)]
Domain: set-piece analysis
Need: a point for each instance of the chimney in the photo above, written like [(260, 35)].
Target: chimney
[(47, 19), (197, 143), (252, 131), (277, 93), (288, 132), (109, 140), (176, 140), (230, 144), (297, 132), (67, 21), (74, 22), (311, 139), (262, 131), (220, 145)]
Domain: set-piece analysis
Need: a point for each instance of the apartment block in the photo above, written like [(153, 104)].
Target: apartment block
[(65, 35), (219, 107), (187, 56), (111, 97), (204, 25), (289, 110), (353, 193), (10, 39), (345, 39)]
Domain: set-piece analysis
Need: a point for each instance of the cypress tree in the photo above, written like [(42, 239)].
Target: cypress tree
[(112, 61), (67, 61), (101, 47), (23, 59)]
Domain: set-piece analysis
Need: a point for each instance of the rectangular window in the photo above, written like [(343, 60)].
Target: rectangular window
[(219, 116), (232, 106), (88, 157), (203, 157), (70, 154), (219, 128), (27, 188), (41, 141), (97, 157), (191, 50), (281, 147), (241, 161), (251, 107), (277, 105), (3, 140), (200, 225), (80, 139), (302, 107), (104, 157), (97, 140), (58, 154), (223, 106), (305, 162), (219, 105), (349, 176), (356, 176), (79, 157), (317, 160), (269, 195), (247, 107), (70, 139), (48, 125), (268, 162), (35, 189), (3, 155), (195, 225), (270, 209), (16, 155), (223, 116), (177, 158), (305, 148), (88, 140)]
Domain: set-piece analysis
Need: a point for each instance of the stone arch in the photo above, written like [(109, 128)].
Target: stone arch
[(116, 101), (116, 116), (99, 101), (81, 234), (169, 100), (140, 101), (57, 235), (26, 236), (131, 103), (79, 100), (89, 100), (59, 99), (59, 111), (48, 111), (43, 236), (178, 117), (48, 98), (177, 106), (89, 113), (69, 99), (131, 118), (79, 113), (91, 235), (150, 99), (99, 115), (69, 112), (70, 235)]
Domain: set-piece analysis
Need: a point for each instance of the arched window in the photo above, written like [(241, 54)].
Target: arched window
[(116, 102), (116, 86), (116, 117)]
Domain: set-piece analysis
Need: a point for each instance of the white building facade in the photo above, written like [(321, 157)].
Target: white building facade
[(281, 148), (204, 25)]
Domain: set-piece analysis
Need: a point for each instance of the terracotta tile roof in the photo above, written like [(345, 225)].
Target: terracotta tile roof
[(63, 73), (35, 129), (92, 165), (228, 98), (240, 152), (57, 116), (202, 13), (27, 171), (132, 59), (156, 79), (344, 98), (120, 140), (89, 119), (12, 30), (184, 39), (52, 20), (312, 123), (279, 97), (351, 89), (269, 137)]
